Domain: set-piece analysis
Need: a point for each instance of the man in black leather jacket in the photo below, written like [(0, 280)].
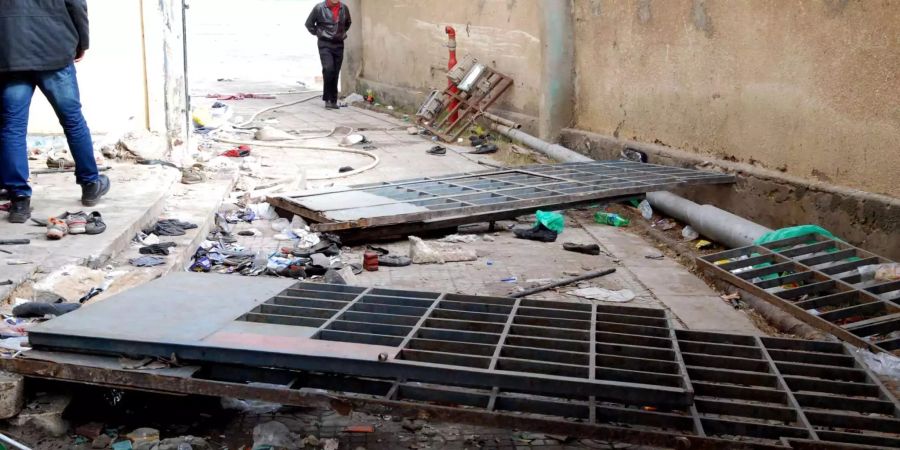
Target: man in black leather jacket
[(329, 21)]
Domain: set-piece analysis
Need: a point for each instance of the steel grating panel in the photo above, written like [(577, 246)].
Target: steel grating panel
[(817, 280), (497, 192), (538, 347), (752, 392)]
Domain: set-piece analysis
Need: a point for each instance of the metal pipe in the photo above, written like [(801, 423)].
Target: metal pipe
[(15, 444), (502, 120), (717, 224), (451, 63), (564, 282), (554, 151)]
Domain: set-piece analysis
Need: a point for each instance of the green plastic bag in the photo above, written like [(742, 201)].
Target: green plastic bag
[(552, 220), (790, 232)]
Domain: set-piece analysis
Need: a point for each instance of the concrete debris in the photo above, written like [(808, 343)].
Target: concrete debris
[(141, 145), (459, 238), (606, 295), (12, 394), (273, 434), (330, 444), (45, 413), (438, 252), (68, 283), (143, 435)]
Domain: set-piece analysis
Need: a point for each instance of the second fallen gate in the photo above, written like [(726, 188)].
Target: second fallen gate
[(452, 200)]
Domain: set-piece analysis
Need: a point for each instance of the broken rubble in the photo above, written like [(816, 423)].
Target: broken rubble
[(12, 394), (438, 252), (45, 413)]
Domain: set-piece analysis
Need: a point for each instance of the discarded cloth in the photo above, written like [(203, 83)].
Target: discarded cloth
[(147, 261), (170, 227), (157, 249)]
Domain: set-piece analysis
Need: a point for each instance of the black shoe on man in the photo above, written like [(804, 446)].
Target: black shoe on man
[(20, 209), (331, 105), (91, 192)]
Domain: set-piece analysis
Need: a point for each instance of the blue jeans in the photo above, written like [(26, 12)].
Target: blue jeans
[(61, 89)]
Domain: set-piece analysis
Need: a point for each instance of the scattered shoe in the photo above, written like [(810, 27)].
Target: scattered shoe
[(239, 152), (95, 224), (170, 227), (59, 162), (485, 149), (345, 169), (538, 233), (20, 209), (56, 228), (91, 192), (76, 222), (587, 249), (437, 150), (394, 261), (193, 175)]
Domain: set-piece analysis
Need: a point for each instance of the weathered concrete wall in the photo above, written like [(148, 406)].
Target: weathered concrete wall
[(809, 88), (405, 53), (769, 197)]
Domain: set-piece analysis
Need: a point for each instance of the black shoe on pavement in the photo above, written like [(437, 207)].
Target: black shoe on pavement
[(538, 233), (331, 105), (437, 150), (485, 149), (20, 210), (91, 192)]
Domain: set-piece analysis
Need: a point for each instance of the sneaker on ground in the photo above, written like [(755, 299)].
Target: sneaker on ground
[(91, 192), (95, 224), (77, 222), (56, 228), (539, 233)]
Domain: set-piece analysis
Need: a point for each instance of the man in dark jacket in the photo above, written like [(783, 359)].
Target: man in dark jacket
[(329, 21), (40, 40)]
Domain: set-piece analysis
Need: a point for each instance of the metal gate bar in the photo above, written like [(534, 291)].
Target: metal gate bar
[(817, 280), (472, 194)]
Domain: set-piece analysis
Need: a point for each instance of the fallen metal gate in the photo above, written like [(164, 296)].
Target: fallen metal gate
[(817, 280), (560, 362), (488, 195)]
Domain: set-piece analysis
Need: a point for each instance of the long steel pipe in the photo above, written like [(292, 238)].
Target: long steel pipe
[(554, 151)]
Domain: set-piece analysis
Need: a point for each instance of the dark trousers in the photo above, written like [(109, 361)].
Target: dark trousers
[(332, 56), (61, 89)]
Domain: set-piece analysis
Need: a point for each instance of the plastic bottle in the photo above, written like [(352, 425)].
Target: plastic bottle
[(610, 219)]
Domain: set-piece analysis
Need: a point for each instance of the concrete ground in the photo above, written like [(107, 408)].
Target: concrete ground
[(660, 283)]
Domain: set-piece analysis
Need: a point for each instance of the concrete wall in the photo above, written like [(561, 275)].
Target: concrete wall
[(405, 54), (111, 77), (809, 88)]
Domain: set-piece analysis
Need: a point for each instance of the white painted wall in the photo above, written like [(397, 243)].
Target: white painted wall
[(112, 76)]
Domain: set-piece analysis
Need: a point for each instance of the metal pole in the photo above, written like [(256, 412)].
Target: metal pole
[(563, 282), (16, 444)]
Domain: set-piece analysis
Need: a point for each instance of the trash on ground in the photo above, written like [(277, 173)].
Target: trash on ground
[(394, 261), (438, 252), (459, 238), (613, 219), (656, 257), (646, 210), (880, 272), (702, 243), (538, 233), (689, 234), (587, 249), (602, 294), (147, 261), (884, 363), (665, 224)]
